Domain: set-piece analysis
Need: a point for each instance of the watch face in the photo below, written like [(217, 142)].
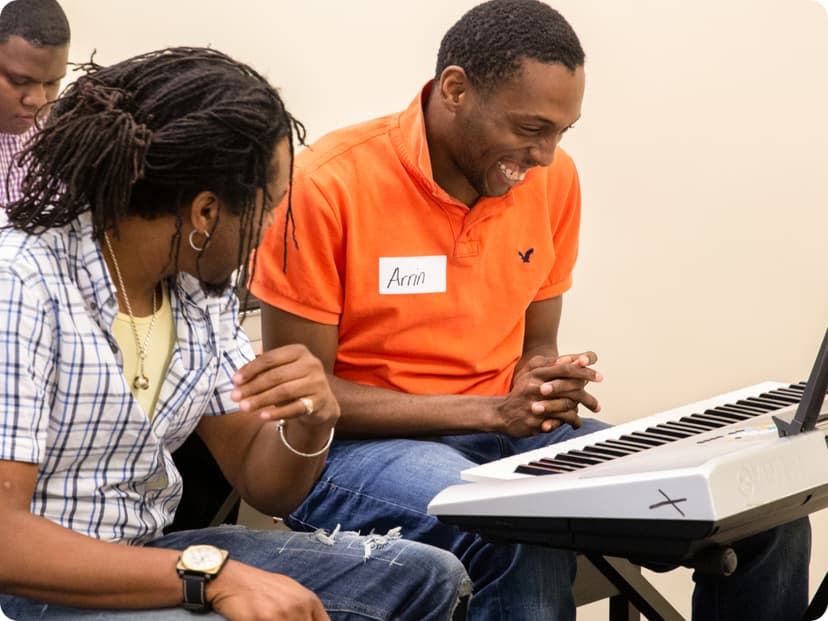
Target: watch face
[(202, 558)]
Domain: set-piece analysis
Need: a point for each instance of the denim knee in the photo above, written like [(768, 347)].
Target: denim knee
[(770, 582), (442, 584)]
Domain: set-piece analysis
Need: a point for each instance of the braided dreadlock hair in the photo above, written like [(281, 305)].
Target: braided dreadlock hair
[(144, 136), (490, 41)]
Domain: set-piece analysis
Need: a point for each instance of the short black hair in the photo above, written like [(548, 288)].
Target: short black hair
[(40, 22), (491, 40)]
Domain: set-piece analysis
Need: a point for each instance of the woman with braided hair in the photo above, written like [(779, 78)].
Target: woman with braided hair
[(149, 187)]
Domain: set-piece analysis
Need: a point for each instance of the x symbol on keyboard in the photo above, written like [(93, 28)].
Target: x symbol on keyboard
[(669, 501)]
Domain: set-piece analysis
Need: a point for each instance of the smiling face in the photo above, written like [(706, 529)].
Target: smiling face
[(496, 136), (29, 78)]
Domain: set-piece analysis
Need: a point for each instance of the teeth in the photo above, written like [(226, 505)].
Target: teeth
[(511, 174)]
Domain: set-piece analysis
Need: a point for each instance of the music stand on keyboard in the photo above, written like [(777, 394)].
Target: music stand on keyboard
[(808, 411), (805, 420)]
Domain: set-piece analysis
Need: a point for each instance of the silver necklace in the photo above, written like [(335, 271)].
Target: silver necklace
[(141, 381)]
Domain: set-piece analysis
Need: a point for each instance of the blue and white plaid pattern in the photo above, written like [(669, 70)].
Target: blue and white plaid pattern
[(10, 145), (104, 469)]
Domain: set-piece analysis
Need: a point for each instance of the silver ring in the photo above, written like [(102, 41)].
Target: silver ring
[(307, 402)]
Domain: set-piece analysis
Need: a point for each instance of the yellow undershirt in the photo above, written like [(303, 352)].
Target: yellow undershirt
[(159, 349)]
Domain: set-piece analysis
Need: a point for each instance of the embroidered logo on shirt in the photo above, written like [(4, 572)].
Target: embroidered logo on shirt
[(525, 256)]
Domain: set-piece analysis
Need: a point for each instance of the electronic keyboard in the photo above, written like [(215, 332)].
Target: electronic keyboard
[(661, 488)]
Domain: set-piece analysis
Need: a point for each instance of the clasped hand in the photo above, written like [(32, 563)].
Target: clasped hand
[(547, 393)]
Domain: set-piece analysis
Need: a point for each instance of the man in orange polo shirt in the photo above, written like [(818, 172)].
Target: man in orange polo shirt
[(423, 260)]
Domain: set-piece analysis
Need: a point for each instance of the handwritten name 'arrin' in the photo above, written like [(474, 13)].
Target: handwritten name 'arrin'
[(398, 280)]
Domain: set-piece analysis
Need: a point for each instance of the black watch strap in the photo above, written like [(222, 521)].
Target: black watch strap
[(195, 597)]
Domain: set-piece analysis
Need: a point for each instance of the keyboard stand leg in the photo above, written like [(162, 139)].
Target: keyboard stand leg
[(621, 609), (819, 603), (636, 589)]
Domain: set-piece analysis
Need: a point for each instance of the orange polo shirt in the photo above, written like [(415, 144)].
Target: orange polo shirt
[(429, 295)]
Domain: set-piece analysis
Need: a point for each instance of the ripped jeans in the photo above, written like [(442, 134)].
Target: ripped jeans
[(379, 577), (389, 482)]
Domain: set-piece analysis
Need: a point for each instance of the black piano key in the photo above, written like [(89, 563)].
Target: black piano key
[(694, 429), (557, 465), (736, 410), (628, 446), (792, 396), (667, 432), (529, 469), (800, 386), (568, 458), (698, 422), (623, 441), (584, 454), (732, 416), (643, 442), (602, 450), (741, 408), (538, 468), (745, 409), (781, 400), (753, 403), (717, 420), (650, 439), (726, 416), (782, 397), (797, 395)]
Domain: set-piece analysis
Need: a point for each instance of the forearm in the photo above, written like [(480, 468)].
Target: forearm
[(275, 480), (368, 411), (46, 562)]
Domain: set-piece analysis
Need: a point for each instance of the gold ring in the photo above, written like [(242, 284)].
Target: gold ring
[(307, 402)]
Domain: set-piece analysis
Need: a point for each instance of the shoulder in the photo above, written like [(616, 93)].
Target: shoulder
[(22, 252), (362, 142), (32, 277), (50, 259)]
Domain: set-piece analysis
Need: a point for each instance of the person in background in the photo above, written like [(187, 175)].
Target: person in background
[(150, 184), (426, 269), (34, 49)]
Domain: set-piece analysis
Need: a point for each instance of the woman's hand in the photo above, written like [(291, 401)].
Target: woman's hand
[(287, 383)]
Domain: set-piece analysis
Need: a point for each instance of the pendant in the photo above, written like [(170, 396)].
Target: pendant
[(140, 382)]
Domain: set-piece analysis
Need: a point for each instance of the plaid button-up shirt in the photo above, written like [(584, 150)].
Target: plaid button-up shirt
[(11, 176), (104, 468)]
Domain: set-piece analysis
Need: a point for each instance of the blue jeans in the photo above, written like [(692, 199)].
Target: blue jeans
[(357, 578), (382, 484)]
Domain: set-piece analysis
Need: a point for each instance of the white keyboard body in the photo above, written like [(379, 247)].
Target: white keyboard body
[(709, 477)]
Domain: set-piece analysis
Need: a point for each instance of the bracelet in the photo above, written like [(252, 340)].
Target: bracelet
[(281, 426)]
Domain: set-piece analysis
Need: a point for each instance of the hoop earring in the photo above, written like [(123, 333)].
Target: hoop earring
[(192, 243)]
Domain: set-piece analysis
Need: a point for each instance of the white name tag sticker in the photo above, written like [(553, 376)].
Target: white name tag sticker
[(398, 275)]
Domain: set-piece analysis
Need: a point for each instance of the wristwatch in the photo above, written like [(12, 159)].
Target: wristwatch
[(196, 566)]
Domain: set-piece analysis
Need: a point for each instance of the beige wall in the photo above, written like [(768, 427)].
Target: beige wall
[(702, 152)]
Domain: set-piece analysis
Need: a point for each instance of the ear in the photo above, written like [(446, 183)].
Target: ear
[(204, 211), (454, 87)]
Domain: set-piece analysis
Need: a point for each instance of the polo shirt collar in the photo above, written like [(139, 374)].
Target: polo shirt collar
[(415, 155), (412, 124), (87, 263)]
